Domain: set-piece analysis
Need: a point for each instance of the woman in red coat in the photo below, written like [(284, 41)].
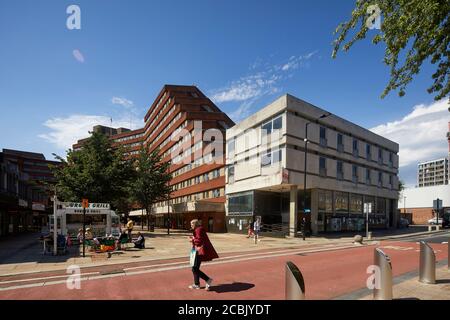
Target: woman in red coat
[(205, 252)]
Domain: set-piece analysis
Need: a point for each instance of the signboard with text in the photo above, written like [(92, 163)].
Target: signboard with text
[(79, 205)]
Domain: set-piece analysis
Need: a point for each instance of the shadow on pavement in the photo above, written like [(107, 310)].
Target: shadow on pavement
[(412, 298), (442, 281), (232, 287)]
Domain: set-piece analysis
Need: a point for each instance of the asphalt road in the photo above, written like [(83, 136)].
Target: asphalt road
[(438, 238)]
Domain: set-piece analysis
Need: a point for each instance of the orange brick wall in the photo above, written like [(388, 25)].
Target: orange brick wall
[(419, 215)]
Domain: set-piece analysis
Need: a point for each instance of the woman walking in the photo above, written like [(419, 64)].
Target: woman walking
[(205, 252)]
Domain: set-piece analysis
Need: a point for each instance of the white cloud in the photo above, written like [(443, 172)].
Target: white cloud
[(261, 83), (421, 134), (64, 132), (78, 55), (123, 102)]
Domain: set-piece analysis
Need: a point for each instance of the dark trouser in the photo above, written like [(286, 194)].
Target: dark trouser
[(130, 238), (197, 273)]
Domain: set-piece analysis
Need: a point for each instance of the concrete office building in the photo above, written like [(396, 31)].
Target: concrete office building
[(347, 167)]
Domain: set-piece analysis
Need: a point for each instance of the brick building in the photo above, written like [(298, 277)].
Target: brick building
[(176, 124), (24, 199)]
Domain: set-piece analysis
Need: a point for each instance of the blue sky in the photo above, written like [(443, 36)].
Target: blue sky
[(56, 83)]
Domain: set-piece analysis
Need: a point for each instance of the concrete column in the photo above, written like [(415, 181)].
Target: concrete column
[(314, 211), (293, 209)]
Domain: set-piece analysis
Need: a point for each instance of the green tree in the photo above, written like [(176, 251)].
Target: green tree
[(97, 172), (151, 182), (417, 30)]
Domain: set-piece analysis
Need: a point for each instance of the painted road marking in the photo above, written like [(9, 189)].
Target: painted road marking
[(168, 268)]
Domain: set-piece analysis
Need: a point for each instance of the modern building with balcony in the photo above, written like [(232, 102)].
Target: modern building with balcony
[(351, 172)]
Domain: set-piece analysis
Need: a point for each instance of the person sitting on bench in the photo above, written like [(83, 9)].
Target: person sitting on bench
[(140, 241)]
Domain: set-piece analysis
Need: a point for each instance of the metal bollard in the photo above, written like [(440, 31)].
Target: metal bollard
[(383, 291), (427, 269), (295, 285)]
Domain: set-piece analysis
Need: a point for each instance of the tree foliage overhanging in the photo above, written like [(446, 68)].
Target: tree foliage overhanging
[(417, 29)]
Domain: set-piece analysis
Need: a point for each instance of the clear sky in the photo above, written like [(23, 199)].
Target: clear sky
[(56, 83)]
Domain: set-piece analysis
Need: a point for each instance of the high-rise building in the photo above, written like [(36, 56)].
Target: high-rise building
[(183, 124), (433, 173)]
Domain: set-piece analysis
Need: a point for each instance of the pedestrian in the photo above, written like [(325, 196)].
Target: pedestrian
[(250, 230), (140, 241), (130, 225), (256, 229), (205, 252)]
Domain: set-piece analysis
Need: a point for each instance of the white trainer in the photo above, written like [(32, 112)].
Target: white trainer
[(208, 284), (194, 286)]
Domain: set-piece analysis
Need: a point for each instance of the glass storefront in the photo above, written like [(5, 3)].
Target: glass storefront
[(343, 211)]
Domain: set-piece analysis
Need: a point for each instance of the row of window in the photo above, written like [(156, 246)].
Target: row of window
[(355, 147), (158, 104), (355, 172), (199, 179), (344, 202), (135, 136), (168, 127), (216, 193), (166, 116)]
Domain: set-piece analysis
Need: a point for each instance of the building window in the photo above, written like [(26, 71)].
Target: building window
[(355, 174), (340, 170), (368, 152), (231, 174), (340, 143), (391, 161), (216, 193), (208, 108), (356, 203), (368, 176), (230, 147), (323, 136), (355, 148), (240, 203), (341, 202), (380, 179), (380, 156), (391, 183), (271, 157), (272, 125), (322, 167)]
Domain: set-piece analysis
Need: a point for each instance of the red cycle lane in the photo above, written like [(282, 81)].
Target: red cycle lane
[(327, 275)]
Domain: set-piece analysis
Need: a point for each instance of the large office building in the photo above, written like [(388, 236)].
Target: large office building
[(433, 173), (351, 172), (184, 125), (24, 196)]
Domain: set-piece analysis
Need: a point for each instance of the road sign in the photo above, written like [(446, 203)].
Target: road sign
[(85, 203), (307, 210), (437, 204), (368, 207)]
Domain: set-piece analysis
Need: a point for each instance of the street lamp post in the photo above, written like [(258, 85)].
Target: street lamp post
[(305, 172)]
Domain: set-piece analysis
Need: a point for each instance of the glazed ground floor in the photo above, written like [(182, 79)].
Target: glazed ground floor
[(18, 221), (212, 221), (285, 212)]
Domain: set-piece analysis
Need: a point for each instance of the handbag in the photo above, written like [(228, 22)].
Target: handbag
[(201, 251), (193, 257)]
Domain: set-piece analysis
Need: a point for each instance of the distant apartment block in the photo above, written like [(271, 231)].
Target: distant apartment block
[(348, 168), (433, 173)]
